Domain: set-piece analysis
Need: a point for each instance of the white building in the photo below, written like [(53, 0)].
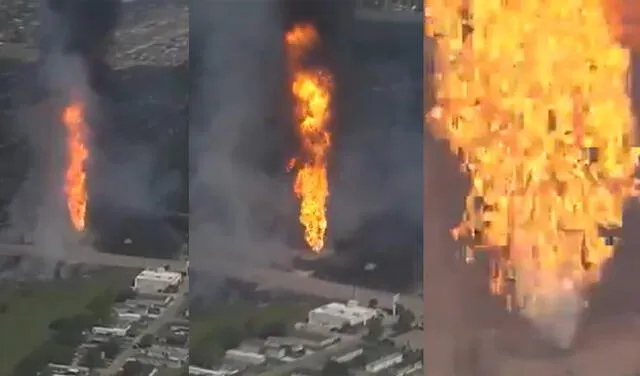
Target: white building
[(154, 281), (197, 371), (336, 315), (348, 356), (245, 357), (119, 331), (384, 362)]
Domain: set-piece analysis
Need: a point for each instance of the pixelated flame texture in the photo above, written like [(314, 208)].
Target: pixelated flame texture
[(311, 89), (75, 187), (533, 97)]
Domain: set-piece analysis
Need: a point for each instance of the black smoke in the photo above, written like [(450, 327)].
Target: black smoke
[(243, 131), (86, 30)]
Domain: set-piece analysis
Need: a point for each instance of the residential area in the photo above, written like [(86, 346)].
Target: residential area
[(278, 337), (139, 330)]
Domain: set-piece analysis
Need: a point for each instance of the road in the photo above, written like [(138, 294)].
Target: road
[(167, 316), (314, 359), (276, 279), (266, 278), (86, 255)]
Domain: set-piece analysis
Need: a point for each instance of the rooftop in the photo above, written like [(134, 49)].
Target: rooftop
[(350, 310)]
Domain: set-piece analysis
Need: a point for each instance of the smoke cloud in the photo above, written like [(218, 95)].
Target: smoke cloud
[(74, 37), (242, 132), (233, 200)]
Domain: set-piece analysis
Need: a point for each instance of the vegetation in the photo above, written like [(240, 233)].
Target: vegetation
[(374, 329), (228, 326), (332, 368), (45, 322), (406, 319)]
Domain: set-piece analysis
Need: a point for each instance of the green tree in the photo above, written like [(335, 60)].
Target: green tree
[(93, 358), (227, 337), (131, 369), (147, 340), (405, 321), (111, 348), (374, 329), (100, 306), (273, 329), (332, 368), (124, 295), (203, 355)]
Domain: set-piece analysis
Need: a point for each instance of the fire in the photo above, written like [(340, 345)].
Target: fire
[(533, 97), (75, 178), (311, 89)]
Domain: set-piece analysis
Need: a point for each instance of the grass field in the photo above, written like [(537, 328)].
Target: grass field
[(235, 315), (31, 307)]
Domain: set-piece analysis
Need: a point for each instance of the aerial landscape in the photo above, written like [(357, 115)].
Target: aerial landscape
[(531, 158), (305, 243), (319, 188), (93, 270)]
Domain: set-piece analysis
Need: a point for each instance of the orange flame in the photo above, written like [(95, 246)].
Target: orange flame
[(539, 112), (312, 92), (75, 177)]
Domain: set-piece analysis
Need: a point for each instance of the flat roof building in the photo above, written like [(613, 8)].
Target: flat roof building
[(336, 315), (155, 281)]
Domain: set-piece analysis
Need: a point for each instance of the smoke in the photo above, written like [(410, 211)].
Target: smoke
[(73, 39), (377, 167), (234, 201), (242, 204)]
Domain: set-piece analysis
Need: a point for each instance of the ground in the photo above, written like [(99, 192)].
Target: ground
[(206, 329), (30, 309)]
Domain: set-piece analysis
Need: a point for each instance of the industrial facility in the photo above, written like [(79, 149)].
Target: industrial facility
[(336, 315), (154, 281)]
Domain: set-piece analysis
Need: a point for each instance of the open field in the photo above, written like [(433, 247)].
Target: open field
[(236, 315), (30, 307)]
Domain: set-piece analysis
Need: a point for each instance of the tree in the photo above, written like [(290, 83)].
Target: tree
[(124, 295), (203, 355), (405, 320), (227, 337), (93, 358), (147, 340), (100, 306), (373, 303), (131, 369), (111, 348), (332, 368), (374, 328), (273, 329)]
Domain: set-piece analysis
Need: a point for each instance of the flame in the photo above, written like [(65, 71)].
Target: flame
[(533, 97), (311, 89), (75, 178)]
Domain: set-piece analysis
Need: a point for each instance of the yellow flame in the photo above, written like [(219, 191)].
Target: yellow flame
[(75, 177), (533, 97), (312, 91)]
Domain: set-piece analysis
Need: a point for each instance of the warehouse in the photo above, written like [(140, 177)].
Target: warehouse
[(154, 281), (337, 315)]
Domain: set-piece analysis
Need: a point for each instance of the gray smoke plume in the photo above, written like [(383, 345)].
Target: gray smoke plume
[(243, 133), (229, 130), (38, 213)]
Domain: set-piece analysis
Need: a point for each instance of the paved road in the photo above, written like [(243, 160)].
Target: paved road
[(275, 279), (167, 316), (314, 359), (266, 278), (86, 255)]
